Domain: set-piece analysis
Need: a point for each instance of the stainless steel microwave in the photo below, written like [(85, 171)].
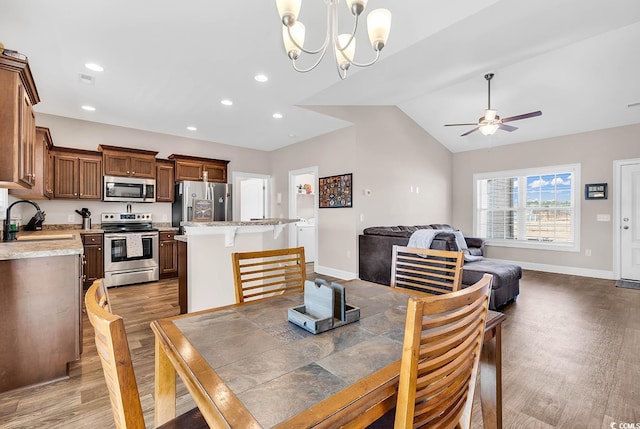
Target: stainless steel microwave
[(129, 189)]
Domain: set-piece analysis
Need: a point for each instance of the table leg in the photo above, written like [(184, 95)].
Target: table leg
[(165, 387), (491, 380)]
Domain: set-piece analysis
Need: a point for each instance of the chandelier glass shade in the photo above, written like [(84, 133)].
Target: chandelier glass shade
[(343, 45)]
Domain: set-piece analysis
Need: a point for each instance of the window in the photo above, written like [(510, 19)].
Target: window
[(536, 208)]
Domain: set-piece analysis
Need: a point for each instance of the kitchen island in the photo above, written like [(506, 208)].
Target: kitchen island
[(205, 269), (40, 307)]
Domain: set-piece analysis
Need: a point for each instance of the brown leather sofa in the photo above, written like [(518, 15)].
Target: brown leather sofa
[(375, 250)]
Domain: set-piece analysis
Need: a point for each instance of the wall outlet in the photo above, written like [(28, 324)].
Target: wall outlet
[(603, 218), (348, 254), (164, 218), (587, 252), (71, 218), (361, 217)]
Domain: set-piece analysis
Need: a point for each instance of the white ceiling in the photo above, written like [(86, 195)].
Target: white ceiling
[(169, 63)]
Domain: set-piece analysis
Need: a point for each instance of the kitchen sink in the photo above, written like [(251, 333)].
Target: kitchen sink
[(47, 237)]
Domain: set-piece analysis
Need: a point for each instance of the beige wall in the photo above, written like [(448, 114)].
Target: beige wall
[(595, 151), (74, 133), (388, 154)]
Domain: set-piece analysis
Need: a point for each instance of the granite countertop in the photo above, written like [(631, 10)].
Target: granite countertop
[(259, 222), (43, 248)]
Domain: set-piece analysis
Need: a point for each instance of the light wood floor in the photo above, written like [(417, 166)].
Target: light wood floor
[(571, 350)]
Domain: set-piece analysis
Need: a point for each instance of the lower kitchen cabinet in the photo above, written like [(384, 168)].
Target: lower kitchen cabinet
[(168, 255), (93, 258), (41, 323), (182, 276)]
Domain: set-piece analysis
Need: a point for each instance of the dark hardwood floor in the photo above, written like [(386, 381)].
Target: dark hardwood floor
[(571, 359)]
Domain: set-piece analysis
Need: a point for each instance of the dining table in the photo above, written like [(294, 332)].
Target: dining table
[(247, 366)]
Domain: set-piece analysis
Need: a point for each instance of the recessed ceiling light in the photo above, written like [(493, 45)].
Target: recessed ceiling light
[(226, 102), (192, 128), (95, 67), (89, 108), (277, 115), (261, 78), (292, 135)]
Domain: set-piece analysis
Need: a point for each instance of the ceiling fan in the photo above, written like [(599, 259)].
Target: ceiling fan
[(491, 122)]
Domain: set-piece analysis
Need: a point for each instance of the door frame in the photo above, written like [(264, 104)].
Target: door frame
[(236, 177), (617, 209), (292, 207)]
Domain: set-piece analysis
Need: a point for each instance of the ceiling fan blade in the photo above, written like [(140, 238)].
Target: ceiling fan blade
[(458, 125), (507, 127), (523, 116), (470, 131)]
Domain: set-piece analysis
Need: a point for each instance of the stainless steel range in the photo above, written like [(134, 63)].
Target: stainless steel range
[(131, 249)]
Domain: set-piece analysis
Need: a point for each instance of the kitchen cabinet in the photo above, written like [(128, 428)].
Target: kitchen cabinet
[(41, 323), (42, 183), (164, 181), (93, 258), (127, 162), (168, 255), (192, 168), (77, 174), (18, 95)]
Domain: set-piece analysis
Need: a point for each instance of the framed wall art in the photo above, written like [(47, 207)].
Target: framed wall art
[(202, 210), (595, 191), (336, 191)]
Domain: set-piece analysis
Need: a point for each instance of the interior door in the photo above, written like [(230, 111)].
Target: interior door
[(630, 222)]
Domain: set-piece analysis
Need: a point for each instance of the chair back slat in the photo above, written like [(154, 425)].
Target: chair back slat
[(440, 356), (261, 274), (426, 270), (113, 349)]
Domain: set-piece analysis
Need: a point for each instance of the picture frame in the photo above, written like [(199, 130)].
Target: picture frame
[(595, 191), (336, 192), (202, 210)]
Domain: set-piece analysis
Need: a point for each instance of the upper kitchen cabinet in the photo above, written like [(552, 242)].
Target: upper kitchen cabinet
[(194, 168), (42, 178), (127, 162), (77, 174), (164, 181), (18, 95)]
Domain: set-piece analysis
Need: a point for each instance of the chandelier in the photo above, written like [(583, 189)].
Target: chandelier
[(344, 45)]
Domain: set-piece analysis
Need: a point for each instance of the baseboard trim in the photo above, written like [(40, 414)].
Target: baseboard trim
[(327, 271), (559, 269)]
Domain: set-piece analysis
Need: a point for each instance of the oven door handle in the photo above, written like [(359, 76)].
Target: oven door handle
[(124, 237)]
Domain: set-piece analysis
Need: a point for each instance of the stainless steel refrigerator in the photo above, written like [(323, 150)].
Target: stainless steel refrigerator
[(187, 191)]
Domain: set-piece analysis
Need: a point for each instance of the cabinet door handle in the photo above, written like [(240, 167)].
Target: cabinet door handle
[(99, 249), (75, 193), (168, 235), (161, 244), (133, 173)]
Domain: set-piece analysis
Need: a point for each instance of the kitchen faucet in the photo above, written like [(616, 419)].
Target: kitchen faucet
[(7, 234)]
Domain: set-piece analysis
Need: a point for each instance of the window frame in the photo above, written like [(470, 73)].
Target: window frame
[(574, 169)]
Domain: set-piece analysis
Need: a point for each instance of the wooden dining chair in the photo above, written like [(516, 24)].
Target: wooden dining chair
[(261, 274), (440, 356), (113, 349), (426, 270)]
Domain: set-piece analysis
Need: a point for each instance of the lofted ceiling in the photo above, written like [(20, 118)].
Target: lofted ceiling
[(169, 64)]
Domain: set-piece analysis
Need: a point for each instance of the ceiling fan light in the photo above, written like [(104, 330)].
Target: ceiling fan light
[(297, 31), (379, 26), (356, 6), (288, 10), (489, 129), (343, 50)]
